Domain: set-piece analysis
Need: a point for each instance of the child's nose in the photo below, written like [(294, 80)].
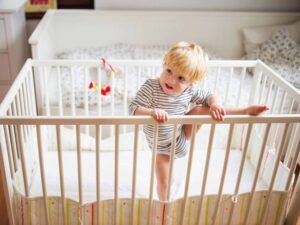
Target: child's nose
[(171, 80)]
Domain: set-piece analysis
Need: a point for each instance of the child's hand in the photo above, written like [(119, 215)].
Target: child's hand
[(217, 111), (159, 115)]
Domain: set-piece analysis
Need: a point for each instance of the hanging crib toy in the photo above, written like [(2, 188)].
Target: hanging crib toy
[(110, 71)]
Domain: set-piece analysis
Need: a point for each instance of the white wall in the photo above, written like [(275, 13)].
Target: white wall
[(214, 5)]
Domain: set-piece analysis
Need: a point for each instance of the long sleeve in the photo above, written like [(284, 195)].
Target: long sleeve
[(143, 97), (200, 96)]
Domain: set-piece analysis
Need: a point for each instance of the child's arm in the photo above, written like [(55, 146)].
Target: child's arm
[(159, 115), (216, 108)]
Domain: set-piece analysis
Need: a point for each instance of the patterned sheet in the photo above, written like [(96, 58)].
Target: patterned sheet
[(282, 54), (214, 82)]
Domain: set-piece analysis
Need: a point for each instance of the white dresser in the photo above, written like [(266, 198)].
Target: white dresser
[(13, 42)]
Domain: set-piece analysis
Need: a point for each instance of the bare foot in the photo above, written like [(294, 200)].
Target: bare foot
[(256, 109)]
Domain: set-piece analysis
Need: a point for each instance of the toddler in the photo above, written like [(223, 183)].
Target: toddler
[(171, 94)]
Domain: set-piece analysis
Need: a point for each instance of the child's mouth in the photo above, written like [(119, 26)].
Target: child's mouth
[(169, 87)]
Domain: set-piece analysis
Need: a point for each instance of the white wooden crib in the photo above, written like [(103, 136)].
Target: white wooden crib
[(68, 163)]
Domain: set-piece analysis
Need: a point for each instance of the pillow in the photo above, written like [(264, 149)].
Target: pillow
[(255, 36), (282, 54), (68, 139), (87, 142)]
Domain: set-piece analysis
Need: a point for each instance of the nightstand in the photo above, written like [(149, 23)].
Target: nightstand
[(13, 42)]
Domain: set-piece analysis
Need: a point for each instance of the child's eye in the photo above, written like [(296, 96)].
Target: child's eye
[(169, 71), (180, 78)]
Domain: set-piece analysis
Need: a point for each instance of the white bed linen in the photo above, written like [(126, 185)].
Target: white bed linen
[(129, 51), (143, 175)]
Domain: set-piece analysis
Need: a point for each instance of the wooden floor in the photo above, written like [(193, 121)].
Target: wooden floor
[(3, 212)]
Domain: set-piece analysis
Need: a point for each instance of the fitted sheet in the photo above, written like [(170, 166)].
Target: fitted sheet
[(143, 175)]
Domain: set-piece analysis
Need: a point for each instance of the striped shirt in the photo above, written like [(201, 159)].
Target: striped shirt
[(151, 95)]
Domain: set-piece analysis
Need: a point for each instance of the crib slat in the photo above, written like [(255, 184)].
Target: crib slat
[(264, 144), (275, 169), (13, 143), (17, 139), (149, 216), (269, 92), (288, 143), (112, 94), (257, 79), (139, 78), (262, 91), (188, 174), (169, 185), (274, 100), (241, 86), (135, 155), (9, 151), (46, 91), (18, 106), (42, 171), (116, 194), (60, 105), (25, 106), (282, 102), (112, 103), (241, 169), (292, 142), (224, 170), (228, 85), (99, 103), (61, 172), (126, 90), (25, 94), (86, 100), (207, 161), (125, 95), (22, 101), (293, 167), (28, 95), (217, 79), (72, 92), (291, 106), (278, 125), (23, 160), (32, 92), (98, 137), (79, 163)]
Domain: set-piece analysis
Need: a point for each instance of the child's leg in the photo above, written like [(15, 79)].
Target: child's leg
[(203, 110), (162, 175)]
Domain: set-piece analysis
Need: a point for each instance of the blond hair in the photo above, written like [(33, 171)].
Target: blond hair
[(188, 59)]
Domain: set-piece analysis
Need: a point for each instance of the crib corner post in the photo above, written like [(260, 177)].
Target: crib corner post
[(293, 213), (6, 178)]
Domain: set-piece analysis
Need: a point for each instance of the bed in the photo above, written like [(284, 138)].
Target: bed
[(60, 168), (56, 179), (144, 35)]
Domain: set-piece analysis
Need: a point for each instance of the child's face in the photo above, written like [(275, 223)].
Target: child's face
[(172, 82)]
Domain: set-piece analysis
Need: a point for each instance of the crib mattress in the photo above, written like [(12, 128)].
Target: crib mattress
[(143, 175)]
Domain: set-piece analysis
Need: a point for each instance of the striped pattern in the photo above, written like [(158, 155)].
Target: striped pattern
[(151, 95), (30, 211)]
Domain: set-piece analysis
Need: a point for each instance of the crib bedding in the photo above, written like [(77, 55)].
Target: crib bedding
[(143, 175), (127, 51)]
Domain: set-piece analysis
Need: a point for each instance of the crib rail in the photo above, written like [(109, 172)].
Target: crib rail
[(28, 108), (267, 120)]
